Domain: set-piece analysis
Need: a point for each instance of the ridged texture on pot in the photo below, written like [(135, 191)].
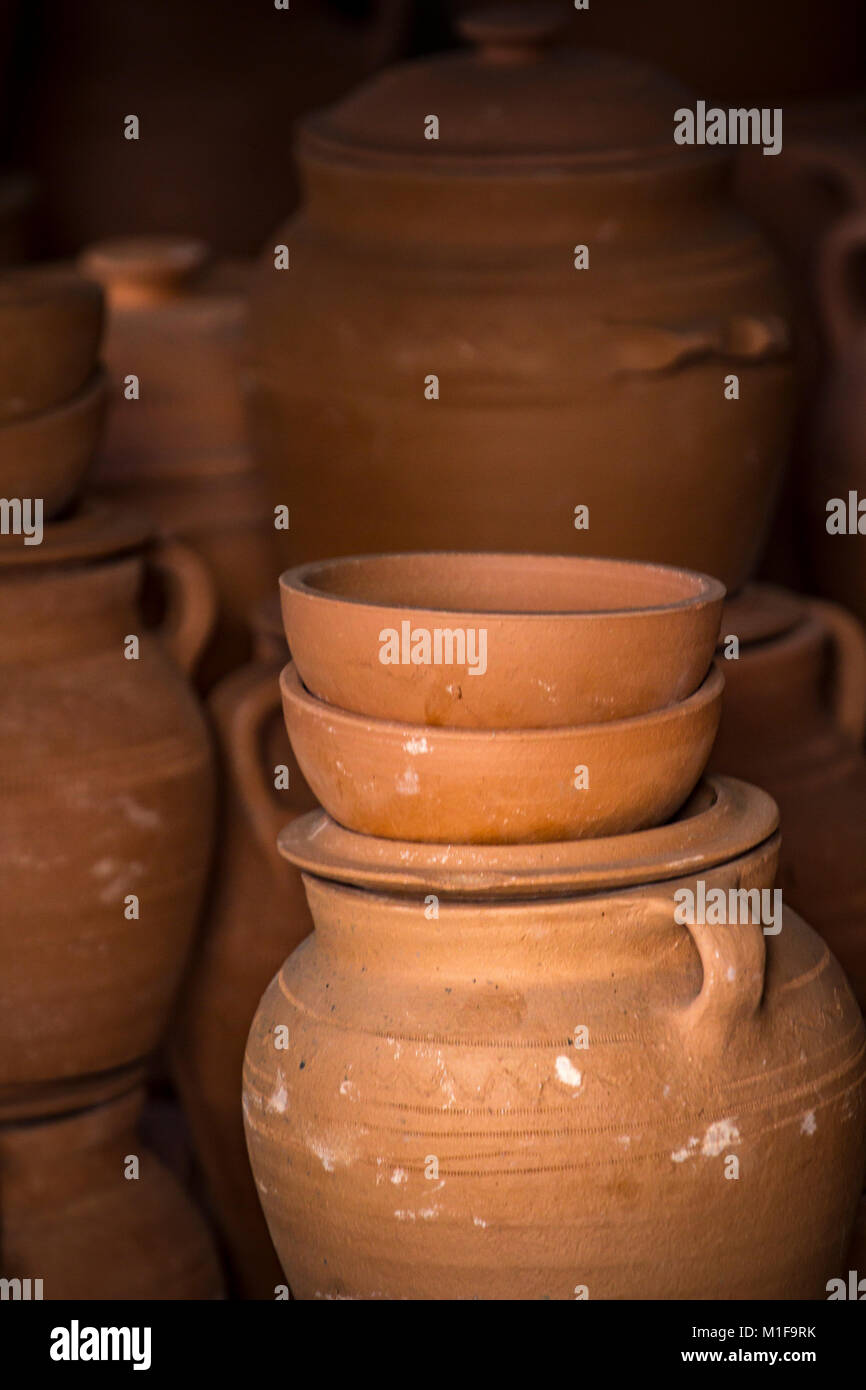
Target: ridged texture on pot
[(107, 792), (430, 1129), (73, 1218)]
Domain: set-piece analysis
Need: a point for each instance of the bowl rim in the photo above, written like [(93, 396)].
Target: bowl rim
[(297, 581)]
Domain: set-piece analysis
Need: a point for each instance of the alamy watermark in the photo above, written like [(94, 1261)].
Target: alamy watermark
[(735, 126), (438, 646), (715, 907), (22, 516)]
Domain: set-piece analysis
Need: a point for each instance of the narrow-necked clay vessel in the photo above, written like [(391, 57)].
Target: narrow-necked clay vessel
[(545, 1097), (436, 369), (179, 452), (74, 1217), (256, 914), (50, 326), (523, 641), (106, 813), (501, 786), (793, 717), (48, 455)]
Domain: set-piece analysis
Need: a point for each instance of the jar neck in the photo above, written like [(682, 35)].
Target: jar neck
[(54, 613)]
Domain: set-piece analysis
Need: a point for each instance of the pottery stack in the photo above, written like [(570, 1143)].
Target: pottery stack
[(509, 1062), (175, 445), (105, 827)]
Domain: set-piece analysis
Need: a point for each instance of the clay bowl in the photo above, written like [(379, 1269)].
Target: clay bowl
[(47, 455), (50, 327), (567, 641), (500, 786)]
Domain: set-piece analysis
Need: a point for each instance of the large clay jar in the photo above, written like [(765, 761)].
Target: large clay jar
[(179, 451), (76, 1215), (257, 913), (793, 719), (105, 818), (496, 1094), (555, 387)]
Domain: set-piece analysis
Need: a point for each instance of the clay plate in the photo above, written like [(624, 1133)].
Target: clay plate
[(723, 819), (566, 640), (47, 455), (501, 786)]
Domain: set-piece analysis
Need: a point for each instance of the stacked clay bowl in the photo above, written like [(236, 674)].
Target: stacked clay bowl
[(52, 391), (500, 699)]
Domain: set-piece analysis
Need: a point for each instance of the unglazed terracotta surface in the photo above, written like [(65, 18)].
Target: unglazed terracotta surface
[(432, 1129), (108, 793), (50, 326), (448, 376), (793, 717), (256, 914), (546, 641), (477, 786), (49, 454), (72, 1218)]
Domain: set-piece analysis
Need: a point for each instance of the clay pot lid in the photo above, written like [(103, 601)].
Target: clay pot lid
[(96, 530), (723, 819), (516, 95), (146, 269), (761, 612)]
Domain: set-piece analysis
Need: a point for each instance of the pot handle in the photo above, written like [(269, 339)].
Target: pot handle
[(242, 730), (848, 696), (648, 348), (842, 256), (733, 959), (191, 602)]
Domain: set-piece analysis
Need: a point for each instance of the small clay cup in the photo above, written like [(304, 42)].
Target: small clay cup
[(47, 455), (50, 327), (501, 786), (525, 641)]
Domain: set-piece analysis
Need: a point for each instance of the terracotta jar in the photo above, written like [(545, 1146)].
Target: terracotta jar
[(105, 818), (256, 914), (433, 372), (793, 719), (179, 452), (502, 1094), (73, 1218)]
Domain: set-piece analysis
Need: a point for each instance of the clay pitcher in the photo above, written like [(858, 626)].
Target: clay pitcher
[(87, 1209), (106, 815), (256, 914)]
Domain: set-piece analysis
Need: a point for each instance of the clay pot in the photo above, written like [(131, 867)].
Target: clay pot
[(256, 914), (838, 442), (108, 799), (48, 454), (435, 1127), (450, 380), (793, 717), (50, 327), (179, 452), (72, 1218), (546, 641), (479, 786)]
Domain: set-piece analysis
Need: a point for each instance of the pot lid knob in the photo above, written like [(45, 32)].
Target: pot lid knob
[(145, 270), (512, 34)]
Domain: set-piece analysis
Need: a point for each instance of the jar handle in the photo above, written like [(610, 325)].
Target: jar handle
[(848, 695), (191, 602), (733, 959), (842, 309), (241, 728)]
